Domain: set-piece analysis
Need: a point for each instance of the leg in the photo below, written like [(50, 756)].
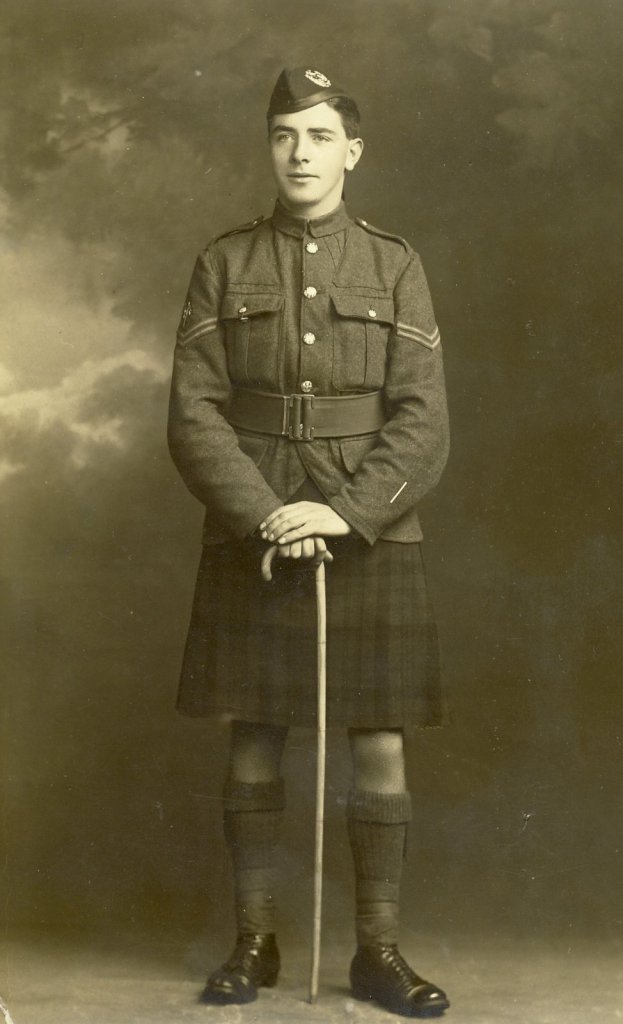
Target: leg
[(253, 809), (256, 751), (379, 810), (378, 760), (254, 802)]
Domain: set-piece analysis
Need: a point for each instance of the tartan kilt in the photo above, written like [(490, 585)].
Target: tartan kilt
[(251, 647)]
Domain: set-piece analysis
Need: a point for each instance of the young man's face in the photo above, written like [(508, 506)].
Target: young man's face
[(310, 154)]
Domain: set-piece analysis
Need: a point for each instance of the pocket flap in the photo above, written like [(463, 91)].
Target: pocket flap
[(372, 308), (238, 306)]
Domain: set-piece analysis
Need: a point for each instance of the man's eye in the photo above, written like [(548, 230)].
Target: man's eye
[(321, 138)]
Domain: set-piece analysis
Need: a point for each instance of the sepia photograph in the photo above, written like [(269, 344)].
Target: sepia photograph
[(311, 467)]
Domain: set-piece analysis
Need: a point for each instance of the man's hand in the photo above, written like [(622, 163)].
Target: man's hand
[(311, 547), (301, 520)]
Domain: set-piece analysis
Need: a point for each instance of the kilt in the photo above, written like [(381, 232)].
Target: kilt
[(251, 647)]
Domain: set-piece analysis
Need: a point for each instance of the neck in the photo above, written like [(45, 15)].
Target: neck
[(310, 211)]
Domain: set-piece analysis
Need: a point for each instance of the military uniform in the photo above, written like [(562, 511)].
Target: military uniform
[(322, 308), (308, 367)]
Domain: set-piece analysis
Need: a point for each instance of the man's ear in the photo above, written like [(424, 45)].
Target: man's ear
[(355, 149)]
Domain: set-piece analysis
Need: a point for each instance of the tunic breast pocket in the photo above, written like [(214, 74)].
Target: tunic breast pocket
[(252, 332), (362, 325)]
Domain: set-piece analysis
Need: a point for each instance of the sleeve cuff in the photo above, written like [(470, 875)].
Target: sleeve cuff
[(253, 531), (360, 525)]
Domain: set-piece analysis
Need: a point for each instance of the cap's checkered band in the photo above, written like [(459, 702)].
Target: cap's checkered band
[(318, 78)]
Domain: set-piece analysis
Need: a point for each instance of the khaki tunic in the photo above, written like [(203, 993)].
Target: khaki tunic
[(324, 307)]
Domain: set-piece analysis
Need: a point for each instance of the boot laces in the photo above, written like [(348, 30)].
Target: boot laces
[(401, 968)]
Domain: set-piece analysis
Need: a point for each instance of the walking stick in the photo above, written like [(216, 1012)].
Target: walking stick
[(321, 659), (321, 607)]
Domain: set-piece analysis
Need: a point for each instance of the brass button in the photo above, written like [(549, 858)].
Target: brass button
[(312, 246), (372, 313), (310, 292), (306, 385), (309, 338), (242, 309)]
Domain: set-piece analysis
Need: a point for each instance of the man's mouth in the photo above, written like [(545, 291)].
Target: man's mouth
[(301, 174)]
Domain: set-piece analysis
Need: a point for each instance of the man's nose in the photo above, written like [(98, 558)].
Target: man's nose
[(299, 152)]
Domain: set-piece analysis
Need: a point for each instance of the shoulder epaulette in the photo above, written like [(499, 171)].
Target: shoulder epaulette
[(382, 234), (243, 227)]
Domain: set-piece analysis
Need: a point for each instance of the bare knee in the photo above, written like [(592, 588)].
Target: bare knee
[(378, 760), (256, 751)]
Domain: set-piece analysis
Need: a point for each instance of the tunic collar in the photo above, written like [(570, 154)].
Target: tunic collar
[(330, 224)]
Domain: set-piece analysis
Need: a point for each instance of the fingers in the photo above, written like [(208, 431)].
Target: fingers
[(288, 531), (321, 522), (308, 548), (301, 520), (298, 549), (285, 510), (291, 519), (311, 547)]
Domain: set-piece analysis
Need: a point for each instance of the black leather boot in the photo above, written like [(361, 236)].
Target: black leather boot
[(381, 974), (254, 962)]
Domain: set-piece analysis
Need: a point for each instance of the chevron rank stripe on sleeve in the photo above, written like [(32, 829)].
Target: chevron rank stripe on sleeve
[(416, 334), (204, 327)]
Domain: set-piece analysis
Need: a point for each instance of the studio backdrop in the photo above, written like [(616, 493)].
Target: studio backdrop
[(134, 132)]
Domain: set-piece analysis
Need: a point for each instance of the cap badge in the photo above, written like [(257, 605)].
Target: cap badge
[(318, 78)]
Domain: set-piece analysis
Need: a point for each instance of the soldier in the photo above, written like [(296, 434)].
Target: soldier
[(308, 405)]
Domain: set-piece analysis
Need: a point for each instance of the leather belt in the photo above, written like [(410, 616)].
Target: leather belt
[(305, 417)]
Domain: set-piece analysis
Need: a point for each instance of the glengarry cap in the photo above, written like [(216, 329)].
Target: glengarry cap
[(300, 88)]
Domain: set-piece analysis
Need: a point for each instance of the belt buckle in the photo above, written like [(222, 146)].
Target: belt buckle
[(298, 417)]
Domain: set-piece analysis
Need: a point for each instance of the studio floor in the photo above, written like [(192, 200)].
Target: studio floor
[(76, 980)]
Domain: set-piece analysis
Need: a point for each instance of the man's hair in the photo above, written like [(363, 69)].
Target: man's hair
[(346, 108), (349, 114)]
